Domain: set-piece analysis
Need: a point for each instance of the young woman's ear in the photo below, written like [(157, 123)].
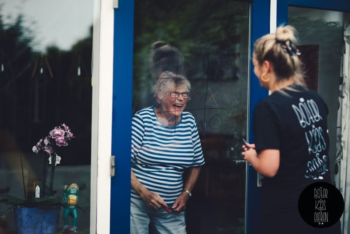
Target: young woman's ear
[(267, 66)]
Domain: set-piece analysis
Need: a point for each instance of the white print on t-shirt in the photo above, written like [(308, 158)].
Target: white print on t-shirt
[(308, 114), (315, 140)]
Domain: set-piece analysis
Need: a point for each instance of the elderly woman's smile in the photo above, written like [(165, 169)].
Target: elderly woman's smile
[(172, 105), (172, 93)]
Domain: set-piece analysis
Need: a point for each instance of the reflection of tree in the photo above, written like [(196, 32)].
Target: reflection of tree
[(323, 33), (213, 37), (208, 33), (67, 97)]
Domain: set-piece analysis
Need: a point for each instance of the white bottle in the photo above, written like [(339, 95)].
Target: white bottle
[(37, 191)]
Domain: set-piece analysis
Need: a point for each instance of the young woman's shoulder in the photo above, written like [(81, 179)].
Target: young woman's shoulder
[(295, 96)]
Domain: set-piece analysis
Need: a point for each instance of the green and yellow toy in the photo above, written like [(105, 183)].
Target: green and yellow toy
[(70, 200)]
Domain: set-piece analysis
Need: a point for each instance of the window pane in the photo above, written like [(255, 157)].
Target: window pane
[(213, 38), (45, 73), (322, 45)]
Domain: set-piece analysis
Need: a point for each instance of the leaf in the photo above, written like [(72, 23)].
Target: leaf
[(37, 202), (10, 200), (44, 202)]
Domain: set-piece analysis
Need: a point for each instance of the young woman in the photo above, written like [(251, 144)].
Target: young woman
[(291, 135)]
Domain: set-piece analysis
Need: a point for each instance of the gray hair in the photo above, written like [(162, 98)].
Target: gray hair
[(166, 79)]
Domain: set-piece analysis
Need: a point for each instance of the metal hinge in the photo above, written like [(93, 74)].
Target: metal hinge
[(112, 166), (115, 3)]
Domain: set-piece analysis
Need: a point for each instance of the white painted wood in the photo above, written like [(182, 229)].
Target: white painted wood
[(102, 83), (273, 16)]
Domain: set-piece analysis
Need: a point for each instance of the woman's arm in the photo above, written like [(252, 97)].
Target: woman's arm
[(152, 199), (193, 174), (267, 163)]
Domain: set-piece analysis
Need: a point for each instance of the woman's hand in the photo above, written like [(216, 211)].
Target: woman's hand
[(180, 203), (249, 153), (192, 176), (153, 200)]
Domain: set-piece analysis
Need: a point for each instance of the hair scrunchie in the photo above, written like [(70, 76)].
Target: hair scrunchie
[(289, 47)]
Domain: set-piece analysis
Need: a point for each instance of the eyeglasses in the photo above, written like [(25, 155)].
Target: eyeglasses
[(185, 95)]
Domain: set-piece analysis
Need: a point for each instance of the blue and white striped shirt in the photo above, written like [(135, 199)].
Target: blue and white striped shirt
[(160, 154)]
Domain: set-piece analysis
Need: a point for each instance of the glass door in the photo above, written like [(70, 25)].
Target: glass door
[(212, 41)]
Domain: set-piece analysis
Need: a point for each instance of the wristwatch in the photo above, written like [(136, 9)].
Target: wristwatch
[(188, 192)]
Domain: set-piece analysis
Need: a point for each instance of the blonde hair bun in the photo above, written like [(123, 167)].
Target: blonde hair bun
[(285, 33)]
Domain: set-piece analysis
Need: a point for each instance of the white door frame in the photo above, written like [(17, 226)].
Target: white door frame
[(101, 140)]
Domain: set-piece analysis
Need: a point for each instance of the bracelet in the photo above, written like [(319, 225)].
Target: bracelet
[(188, 192)]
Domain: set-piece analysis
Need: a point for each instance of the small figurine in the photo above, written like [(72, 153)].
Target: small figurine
[(70, 200)]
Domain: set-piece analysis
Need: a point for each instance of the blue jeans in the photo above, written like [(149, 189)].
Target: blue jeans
[(141, 216)]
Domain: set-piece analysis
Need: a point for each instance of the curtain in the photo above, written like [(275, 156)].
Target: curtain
[(342, 164)]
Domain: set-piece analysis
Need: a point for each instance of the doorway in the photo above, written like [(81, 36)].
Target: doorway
[(213, 39)]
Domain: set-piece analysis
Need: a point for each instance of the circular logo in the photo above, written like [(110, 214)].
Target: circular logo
[(321, 205)]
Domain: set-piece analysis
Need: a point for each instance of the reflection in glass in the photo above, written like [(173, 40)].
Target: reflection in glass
[(45, 80), (324, 35), (213, 38), (321, 39)]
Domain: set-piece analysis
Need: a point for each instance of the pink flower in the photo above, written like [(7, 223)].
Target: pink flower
[(57, 132), (61, 135), (38, 145), (48, 149), (69, 134), (46, 141), (36, 148), (66, 128), (60, 141)]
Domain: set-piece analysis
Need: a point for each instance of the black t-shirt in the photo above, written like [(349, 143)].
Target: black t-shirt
[(294, 122)]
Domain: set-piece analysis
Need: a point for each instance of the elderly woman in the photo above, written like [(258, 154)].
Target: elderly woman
[(165, 143)]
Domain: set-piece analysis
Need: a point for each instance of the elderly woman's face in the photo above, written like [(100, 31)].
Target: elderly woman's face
[(174, 100)]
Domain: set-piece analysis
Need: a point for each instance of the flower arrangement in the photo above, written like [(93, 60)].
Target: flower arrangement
[(59, 136), (41, 213)]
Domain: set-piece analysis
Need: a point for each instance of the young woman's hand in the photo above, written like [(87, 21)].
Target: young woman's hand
[(251, 146), (249, 153), (153, 200)]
